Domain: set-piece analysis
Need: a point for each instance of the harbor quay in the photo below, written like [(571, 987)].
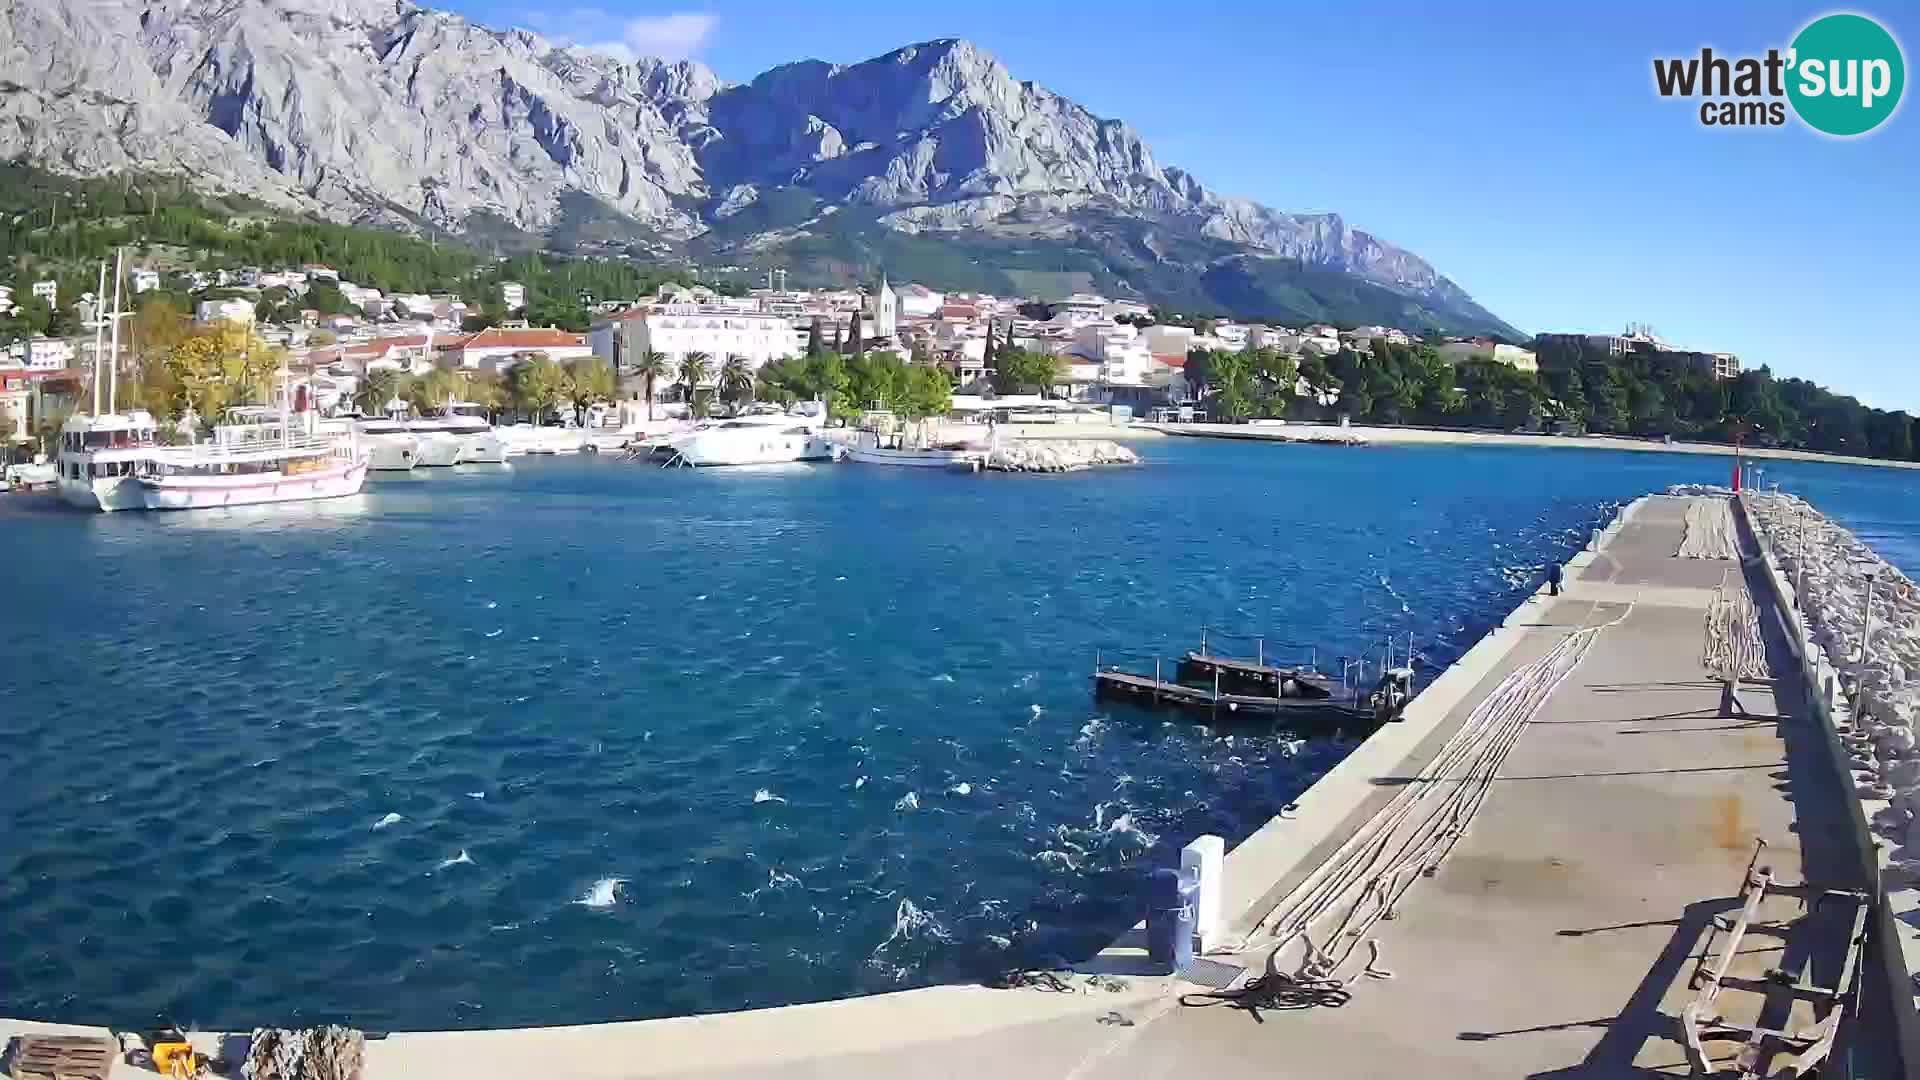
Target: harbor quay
[(1618, 836)]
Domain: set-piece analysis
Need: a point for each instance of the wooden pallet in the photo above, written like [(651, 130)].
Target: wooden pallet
[(62, 1057)]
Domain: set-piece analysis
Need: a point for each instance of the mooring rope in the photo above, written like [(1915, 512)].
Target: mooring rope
[(1733, 648), (1363, 881), (1711, 533)]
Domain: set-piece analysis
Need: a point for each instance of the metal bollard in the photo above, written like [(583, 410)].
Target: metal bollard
[(1170, 914)]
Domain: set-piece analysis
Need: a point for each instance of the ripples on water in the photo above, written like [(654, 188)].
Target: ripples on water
[(585, 740)]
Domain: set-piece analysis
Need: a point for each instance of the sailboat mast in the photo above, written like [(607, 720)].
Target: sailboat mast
[(99, 301), (113, 363)]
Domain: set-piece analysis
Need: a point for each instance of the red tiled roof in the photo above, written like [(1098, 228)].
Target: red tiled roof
[(1171, 360), (494, 337)]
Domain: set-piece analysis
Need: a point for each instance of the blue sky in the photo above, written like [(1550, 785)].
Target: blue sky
[(1520, 148)]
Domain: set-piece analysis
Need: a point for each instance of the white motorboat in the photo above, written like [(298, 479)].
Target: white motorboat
[(435, 445), (480, 444), (529, 439), (113, 462), (870, 448), (756, 439), (391, 445)]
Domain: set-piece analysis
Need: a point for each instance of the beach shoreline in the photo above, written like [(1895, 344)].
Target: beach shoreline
[(1411, 436)]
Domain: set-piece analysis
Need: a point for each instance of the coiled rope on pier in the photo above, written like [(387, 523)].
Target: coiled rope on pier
[(1711, 533), (1347, 895), (1733, 649)]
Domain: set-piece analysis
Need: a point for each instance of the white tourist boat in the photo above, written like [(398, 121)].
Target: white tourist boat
[(114, 462), (757, 439), (435, 444)]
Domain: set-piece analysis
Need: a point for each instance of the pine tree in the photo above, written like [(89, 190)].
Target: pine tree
[(836, 338), (813, 337), (986, 357), (854, 347)]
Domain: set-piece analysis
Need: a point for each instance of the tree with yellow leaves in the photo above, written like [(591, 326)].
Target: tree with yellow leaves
[(212, 368)]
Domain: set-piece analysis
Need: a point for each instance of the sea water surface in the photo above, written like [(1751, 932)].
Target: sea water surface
[(584, 740)]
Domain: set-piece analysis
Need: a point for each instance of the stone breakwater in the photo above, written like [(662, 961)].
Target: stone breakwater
[(1058, 455), (1833, 573)]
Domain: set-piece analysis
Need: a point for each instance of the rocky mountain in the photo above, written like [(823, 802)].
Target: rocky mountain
[(380, 111)]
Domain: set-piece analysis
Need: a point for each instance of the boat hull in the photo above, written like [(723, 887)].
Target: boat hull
[(211, 492), (105, 494), (917, 459), (391, 455), (773, 448), (437, 452), (484, 449)]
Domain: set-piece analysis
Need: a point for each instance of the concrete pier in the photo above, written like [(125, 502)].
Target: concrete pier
[(1556, 939), (1559, 936)]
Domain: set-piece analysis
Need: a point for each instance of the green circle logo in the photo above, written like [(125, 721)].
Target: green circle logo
[(1846, 73)]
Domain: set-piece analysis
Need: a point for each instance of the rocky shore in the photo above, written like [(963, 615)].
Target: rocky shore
[(1058, 455), (1864, 614)]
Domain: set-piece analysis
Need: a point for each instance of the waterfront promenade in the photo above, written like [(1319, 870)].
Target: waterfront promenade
[(1557, 939)]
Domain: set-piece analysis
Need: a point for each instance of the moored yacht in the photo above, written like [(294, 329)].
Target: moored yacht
[(100, 457), (480, 444), (391, 447), (754, 439)]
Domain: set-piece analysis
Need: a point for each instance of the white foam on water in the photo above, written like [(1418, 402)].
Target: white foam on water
[(1037, 710), (462, 859), (604, 894), (497, 633), (842, 577), (1025, 680), (1291, 747), (1060, 859), (859, 783), (476, 794), (1000, 942), (942, 678), (702, 596), (264, 762), (491, 605), (777, 879), (909, 801), (909, 921), (390, 819), (763, 795), (961, 788)]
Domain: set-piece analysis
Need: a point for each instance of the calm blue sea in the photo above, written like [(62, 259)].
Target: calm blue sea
[(585, 740)]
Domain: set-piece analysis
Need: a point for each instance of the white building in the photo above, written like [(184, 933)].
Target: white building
[(497, 348), (1120, 351), (920, 302), (1469, 349), (1231, 336), (142, 280), (40, 354), (1168, 340), (1083, 308), (211, 311), (48, 290), (413, 305), (886, 310), (513, 295), (678, 329), (1277, 338)]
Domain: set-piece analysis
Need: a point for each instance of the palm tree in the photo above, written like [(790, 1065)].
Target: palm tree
[(736, 379), (652, 366), (695, 368)]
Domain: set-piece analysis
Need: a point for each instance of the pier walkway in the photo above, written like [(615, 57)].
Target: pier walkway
[(1559, 936)]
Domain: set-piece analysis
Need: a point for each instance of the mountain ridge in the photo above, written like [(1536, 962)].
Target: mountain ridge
[(385, 112)]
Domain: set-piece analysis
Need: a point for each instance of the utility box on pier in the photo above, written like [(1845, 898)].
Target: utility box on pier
[(1204, 862)]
